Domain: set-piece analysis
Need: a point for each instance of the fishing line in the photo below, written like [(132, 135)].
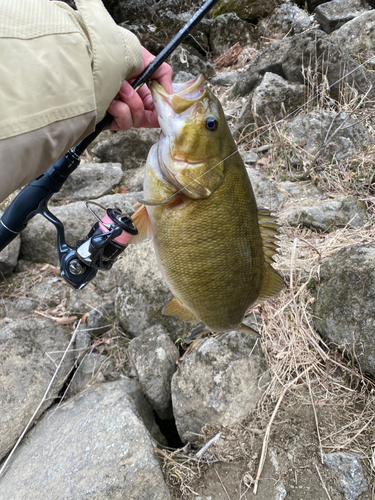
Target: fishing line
[(278, 122)]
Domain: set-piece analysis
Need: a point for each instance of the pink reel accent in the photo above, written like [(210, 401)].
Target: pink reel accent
[(124, 237)]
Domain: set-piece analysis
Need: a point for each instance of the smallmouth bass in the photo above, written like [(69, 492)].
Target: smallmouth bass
[(214, 247)]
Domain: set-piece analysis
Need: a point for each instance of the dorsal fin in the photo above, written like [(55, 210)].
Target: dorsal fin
[(142, 223), (176, 308), (272, 282)]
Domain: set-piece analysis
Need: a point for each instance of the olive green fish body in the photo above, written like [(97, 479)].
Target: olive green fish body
[(213, 245), (210, 250)]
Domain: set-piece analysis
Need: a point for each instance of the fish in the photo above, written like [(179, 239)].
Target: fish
[(214, 247)]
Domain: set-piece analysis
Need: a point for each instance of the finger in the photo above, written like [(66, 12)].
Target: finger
[(130, 97), (146, 96), (122, 117), (164, 76)]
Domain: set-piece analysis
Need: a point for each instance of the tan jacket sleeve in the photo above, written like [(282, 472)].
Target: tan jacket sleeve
[(60, 69)]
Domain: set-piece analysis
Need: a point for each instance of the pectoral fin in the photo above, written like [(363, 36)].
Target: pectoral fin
[(176, 308), (142, 223)]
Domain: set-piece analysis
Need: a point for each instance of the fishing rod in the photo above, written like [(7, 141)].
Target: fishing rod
[(109, 236)]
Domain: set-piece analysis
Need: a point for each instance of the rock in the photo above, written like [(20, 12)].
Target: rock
[(100, 319), (266, 194), (154, 357), (290, 19), (344, 309), (329, 134), (348, 469), (245, 9), (182, 77), (90, 181), (41, 234), (272, 99), (225, 79), (332, 15), (94, 447), (133, 179), (327, 62), (138, 11), (217, 383), (357, 37), (186, 59), (9, 258), (127, 147), (326, 215), (26, 371), (249, 156), (142, 293), (228, 29), (301, 190), (287, 58), (92, 368)]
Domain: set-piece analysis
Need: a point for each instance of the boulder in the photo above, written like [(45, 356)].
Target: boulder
[(332, 15), (245, 9), (344, 309), (77, 219), (228, 29), (225, 79), (93, 447), (186, 59), (289, 19), (292, 56), (271, 100), (326, 215), (142, 293), (129, 148), (29, 350), (90, 181), (357, 37), (154, 357), (9, 257), (266, 193), (217, 383), (138, 11), (329, 134)]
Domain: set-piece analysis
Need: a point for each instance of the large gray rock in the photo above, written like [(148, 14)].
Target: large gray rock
[(328, 134), (142, 294), (266, 193), (154, 357), (41, 234), (357, 37), (326, 215), (245, 9), (217, 383), (185, 58), (344, 309), (92, 448), (348, 470), (90, 181), (228, 29), (272, 99), (26, 371), (289, 19), (129, 147), (288, 58), (9, 258), (332, 15)]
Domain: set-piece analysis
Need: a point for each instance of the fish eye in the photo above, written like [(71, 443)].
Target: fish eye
[(211, 124)]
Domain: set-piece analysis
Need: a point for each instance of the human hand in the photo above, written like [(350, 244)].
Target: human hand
[(136, 109)]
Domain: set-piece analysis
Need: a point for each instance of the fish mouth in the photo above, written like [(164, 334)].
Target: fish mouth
[(175, 106)]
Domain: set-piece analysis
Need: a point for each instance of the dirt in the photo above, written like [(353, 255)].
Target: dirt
[(293, 468)]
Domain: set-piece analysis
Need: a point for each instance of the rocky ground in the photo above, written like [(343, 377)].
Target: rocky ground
[(101, 398)]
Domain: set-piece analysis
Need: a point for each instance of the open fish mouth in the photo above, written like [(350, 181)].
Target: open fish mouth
[(173, 107)]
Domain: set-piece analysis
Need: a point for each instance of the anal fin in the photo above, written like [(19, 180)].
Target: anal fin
[(176, 308)]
